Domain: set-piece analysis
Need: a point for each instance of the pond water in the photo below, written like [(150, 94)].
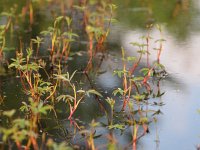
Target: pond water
[(178, 125)]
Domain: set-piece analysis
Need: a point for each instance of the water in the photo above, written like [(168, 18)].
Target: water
[(178, 126)]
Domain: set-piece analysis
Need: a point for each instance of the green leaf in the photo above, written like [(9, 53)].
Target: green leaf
[(117, 126), (58, 20), (111, 102), (65, 98), (92, 91), (136, 79), (131, 58), (81, 91), (72, 75), (160, 40), (144, 120), (68, 20), (138, 44), (94, 124), (9, 113), (112, 7), (44, 109), (142, 51), (118, 90), (79, 8), (8, 49), (144, 71), (21, 123), (139, 97)]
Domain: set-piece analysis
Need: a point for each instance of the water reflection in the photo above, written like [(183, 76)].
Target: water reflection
[(178, 15), (178, 126)]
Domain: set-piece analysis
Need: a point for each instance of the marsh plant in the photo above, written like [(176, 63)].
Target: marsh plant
[(41, 100), (138, 84), (4, 28), (97, 24), (51, 92), (60, 39)]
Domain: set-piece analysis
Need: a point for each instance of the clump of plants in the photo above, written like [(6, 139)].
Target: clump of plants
[(50, 89), (138, 85)]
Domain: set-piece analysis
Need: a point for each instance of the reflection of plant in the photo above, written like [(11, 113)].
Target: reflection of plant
[(160, 41), (176, 13), (137, 88), (130, 80), (90, 134), (57, 146)]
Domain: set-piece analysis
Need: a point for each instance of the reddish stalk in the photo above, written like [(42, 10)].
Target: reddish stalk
[(100, 42), (135, 137), (159, 53), (160, 45), (125, 83), (3, 34), (145, 81), (76, 102), (34, 142), (90, 51), (31, 12), (52, 49), (19, 147), (62, 7), (65, 47), (147, 40), (126, 89), (135, 65), (85, 13)]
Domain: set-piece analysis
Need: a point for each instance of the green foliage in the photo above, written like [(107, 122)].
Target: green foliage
[(111, 102), (145, 71), (35, 108), (44, 94), (92, 91), (118, 90), (17, 130), (57, 146), (120, 73), (117, 126), (9, 113), (139, 97)]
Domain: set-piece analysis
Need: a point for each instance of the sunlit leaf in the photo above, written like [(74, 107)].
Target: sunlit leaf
[(92, 91), (9, 113)]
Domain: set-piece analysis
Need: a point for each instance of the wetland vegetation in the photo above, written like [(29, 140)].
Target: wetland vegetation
[(68, 82)]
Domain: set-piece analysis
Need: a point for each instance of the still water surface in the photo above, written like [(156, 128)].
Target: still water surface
[(178, 126)]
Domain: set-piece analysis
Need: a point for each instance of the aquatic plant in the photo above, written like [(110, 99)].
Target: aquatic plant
[(37, 41), (52, 93), (73, 100), (60, 38), (5, 27), (95, 21), (136, 85)]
